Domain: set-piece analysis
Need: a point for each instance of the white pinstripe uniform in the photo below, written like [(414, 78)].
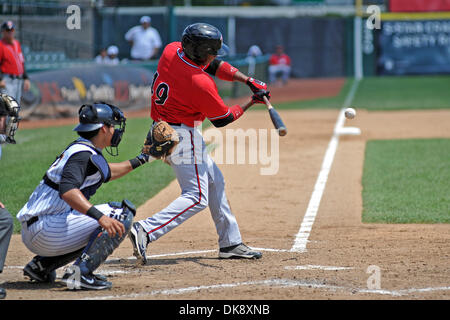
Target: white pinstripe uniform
[(60, 229)]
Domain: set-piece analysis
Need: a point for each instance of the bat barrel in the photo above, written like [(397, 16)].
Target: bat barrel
[(276, 119)]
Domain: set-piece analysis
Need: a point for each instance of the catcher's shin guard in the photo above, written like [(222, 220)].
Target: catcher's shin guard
[(101, 245)]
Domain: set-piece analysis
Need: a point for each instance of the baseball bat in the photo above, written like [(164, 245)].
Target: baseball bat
[(276, 119)]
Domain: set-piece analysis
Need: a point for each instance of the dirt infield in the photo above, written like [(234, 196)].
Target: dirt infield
[(412, 259)]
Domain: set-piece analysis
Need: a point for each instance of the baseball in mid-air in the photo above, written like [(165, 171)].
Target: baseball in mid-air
[(350, 113)]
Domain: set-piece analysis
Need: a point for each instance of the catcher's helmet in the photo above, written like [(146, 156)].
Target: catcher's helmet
[(93, 117), (201, 39)]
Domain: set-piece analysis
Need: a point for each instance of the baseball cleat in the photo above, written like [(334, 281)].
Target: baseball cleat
[(36, 272), (83, 281), (100, 277), (239, 251), (2, 293), (139, 240)]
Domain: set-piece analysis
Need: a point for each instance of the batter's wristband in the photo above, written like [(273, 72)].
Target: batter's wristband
[(94, 213)]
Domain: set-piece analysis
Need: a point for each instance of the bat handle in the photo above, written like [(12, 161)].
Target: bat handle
[(267, 102)]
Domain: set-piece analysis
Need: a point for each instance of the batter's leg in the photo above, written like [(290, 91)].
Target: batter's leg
[(193, 180), (225, 221)]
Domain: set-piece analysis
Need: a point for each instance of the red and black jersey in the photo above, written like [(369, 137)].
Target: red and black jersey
[(11, 58), (182, 92), (277, 59)]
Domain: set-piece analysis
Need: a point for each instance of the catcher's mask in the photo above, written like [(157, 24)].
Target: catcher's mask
[(200, 40), (93, 117)]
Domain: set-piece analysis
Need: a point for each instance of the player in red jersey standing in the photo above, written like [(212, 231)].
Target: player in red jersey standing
[(13, 77), (279, 63), (184, 94)]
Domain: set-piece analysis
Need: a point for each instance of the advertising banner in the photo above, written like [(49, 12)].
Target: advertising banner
[(414, 47), (418, 5), (125, 86)]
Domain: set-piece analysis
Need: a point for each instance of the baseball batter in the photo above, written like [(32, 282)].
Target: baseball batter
[(59, 224), (184, 94)]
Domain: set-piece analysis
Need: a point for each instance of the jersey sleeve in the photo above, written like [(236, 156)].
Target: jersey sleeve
[(130, 34), (74, 172), (211, 105)]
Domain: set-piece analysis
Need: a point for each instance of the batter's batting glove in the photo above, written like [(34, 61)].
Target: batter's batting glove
[(258, 97), (256, 85)]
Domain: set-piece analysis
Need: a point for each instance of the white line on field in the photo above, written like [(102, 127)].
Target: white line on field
[(313, 267), (301, 239), (283, 283), (188, 253), (183, 253)]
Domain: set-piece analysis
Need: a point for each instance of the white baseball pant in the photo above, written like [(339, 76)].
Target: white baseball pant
[(202, 185)]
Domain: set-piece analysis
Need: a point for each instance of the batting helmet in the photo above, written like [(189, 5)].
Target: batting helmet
[(200, 40)]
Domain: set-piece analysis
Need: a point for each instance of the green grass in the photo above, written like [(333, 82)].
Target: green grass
[(407, 181), (397, 93), (23, 165), (386, 93)]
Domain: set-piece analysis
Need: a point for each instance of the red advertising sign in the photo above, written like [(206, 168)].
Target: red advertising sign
[(419, 5)]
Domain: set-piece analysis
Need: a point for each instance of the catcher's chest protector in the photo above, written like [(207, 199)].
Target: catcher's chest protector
[(92, 182)]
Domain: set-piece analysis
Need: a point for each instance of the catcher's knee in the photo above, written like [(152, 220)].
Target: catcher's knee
[(101, 245)]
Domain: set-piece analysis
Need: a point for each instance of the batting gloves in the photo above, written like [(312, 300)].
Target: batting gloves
[(258, 97), (256, 85)]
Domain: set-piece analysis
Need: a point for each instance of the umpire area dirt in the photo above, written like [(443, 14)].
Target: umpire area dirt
[(410, 261)]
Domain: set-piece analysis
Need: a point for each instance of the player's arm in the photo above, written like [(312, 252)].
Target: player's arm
[(119, 169), (69, 190), (225, 71), (212, 106)]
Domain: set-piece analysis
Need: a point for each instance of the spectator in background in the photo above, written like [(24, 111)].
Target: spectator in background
[(13, 77), (6, 229), (145, 40), (108, 56), (102, 56), (112, 58), (279, 63), (253, 52)]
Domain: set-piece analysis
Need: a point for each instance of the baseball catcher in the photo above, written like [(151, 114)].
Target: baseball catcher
[(9, 119), (60, 224)]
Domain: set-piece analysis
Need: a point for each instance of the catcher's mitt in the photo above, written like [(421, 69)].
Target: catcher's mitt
[(161, 140), (9, 108)]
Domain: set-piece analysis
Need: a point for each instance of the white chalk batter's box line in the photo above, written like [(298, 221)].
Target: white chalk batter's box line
[(281, 283)]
